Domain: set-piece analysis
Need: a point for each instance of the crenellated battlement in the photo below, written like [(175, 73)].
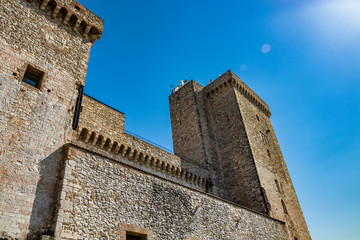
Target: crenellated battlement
[(144, 157), (73, 15), (229, 79)]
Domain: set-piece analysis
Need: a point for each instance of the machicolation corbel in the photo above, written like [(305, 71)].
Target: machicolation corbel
[(72, 19)]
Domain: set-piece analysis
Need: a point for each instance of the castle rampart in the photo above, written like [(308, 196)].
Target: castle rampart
[(99, 196)]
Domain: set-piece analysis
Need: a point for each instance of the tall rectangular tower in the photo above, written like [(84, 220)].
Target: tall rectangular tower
[(44, 52), (227, 127)]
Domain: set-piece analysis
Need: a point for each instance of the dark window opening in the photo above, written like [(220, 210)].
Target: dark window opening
[(135, 236), (284, 207), (257, 117), (33, 76), (208, 186), (266, 201), (77, 8), (52, 5), (63, 11), (73, 19), (268, 152), (295, 238)]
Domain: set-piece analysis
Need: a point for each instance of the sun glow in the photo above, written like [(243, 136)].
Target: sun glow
[(339, 19)]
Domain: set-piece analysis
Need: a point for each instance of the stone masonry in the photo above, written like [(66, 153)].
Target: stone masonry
[(68, 170)]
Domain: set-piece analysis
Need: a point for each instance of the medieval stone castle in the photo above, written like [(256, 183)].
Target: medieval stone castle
[(69, 171)]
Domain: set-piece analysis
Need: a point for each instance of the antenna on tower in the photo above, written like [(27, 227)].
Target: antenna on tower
[(171, 88)]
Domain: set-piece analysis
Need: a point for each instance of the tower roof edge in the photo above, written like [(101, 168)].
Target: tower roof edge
[(229, 77)]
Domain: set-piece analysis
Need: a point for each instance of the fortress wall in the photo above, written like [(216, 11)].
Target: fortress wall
[(144, 160), (104, 121), (101, 118), (102, 198), (151, 150)]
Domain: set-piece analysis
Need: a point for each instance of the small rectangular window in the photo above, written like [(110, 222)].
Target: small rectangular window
[(135, 236), (33, 76), (284, 207), (268, 152)]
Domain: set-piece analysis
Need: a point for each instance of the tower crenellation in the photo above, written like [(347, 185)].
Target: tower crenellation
[(230, 79)]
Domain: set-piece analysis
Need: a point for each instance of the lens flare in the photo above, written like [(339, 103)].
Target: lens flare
[(265, 48)]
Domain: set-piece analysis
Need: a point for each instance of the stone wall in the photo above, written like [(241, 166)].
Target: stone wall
[(185, 121), (241, 181), (102, 199), (192, 137), (35, 122), (142, 156), (102, 118)]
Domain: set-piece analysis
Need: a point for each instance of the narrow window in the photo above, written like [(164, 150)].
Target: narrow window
[(266, 201), (135, 236), (295, 238), (257, 118), (277, 186), (268, 152), (284, 207), (33, 76)]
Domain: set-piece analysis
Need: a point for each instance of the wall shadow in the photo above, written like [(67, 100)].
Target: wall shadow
[(42, 215)]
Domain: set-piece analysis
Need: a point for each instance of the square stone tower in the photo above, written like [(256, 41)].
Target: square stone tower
[(44, 52), (226, 126)]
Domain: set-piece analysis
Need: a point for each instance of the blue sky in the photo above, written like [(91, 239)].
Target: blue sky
[(309, 75)]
